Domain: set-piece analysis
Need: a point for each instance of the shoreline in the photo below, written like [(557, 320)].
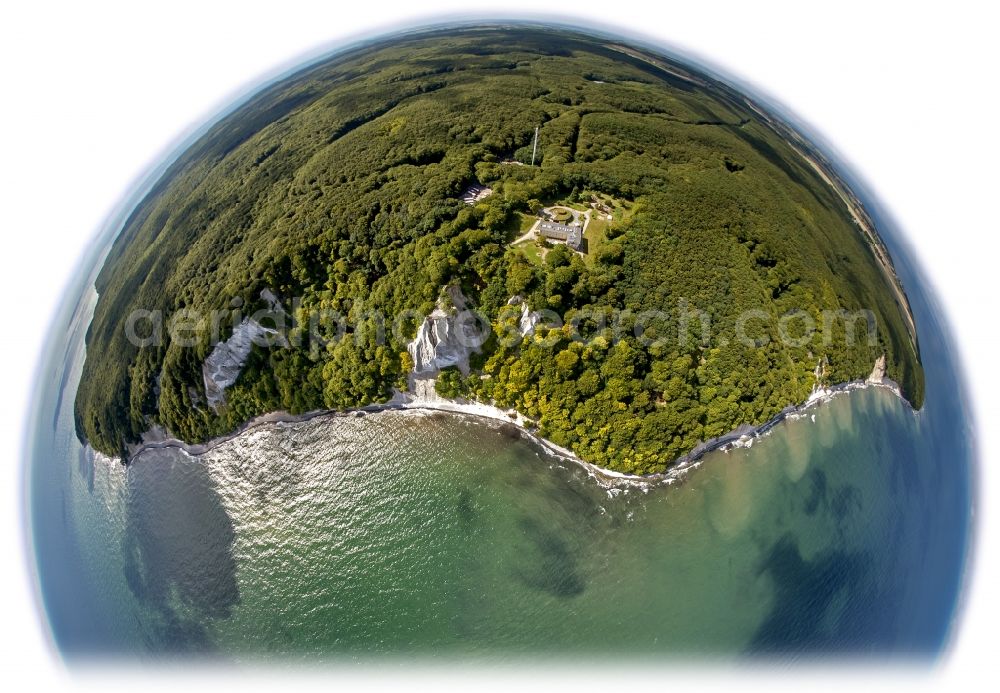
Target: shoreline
[(741, 437)]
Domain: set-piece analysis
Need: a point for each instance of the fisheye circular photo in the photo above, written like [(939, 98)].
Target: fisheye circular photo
[(500, 340)]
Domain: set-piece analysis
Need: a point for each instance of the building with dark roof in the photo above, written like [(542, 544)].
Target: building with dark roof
[(570, 234)]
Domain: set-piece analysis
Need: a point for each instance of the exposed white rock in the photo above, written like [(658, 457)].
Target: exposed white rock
[(272, 301), (446, 339), (458, 299), (422, 389), (818, 394), (878, 372), (528, 321), (223, 366)]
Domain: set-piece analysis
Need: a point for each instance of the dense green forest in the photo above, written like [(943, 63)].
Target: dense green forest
[(341, 185)]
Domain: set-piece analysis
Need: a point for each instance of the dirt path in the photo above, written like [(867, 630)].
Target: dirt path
[(528, 235)]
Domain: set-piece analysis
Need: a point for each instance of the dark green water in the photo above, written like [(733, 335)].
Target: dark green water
[(415, 534), (409, 532)]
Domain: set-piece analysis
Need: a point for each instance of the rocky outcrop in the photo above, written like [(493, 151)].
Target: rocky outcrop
[(456, 297), (878, 372), (529, 319), (446, 338), (223, 366)]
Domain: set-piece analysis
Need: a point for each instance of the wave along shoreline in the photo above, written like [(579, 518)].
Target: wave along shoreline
[(741, 437)]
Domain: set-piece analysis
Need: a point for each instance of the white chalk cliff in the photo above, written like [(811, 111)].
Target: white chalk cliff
[(446, 338), (878, 372), (223, 366), (529, 319)]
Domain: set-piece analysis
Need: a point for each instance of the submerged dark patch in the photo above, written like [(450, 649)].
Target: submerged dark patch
[(551, 564), (178, 547), (803, 618)]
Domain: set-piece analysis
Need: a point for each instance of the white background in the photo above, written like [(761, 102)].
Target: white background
[(93, 94)]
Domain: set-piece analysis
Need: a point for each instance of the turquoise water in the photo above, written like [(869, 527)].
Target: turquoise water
[(409, 532), (414, 534)]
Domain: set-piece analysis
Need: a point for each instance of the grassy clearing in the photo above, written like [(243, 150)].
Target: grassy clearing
[(595, 233), (534, 252), (517, 225)]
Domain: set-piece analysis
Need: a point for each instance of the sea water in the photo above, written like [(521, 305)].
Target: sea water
[(419, 533)]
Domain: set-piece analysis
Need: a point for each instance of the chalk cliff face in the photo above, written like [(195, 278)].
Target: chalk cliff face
[(878, 371), (529, 319), (446, 338), (224, 365)]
